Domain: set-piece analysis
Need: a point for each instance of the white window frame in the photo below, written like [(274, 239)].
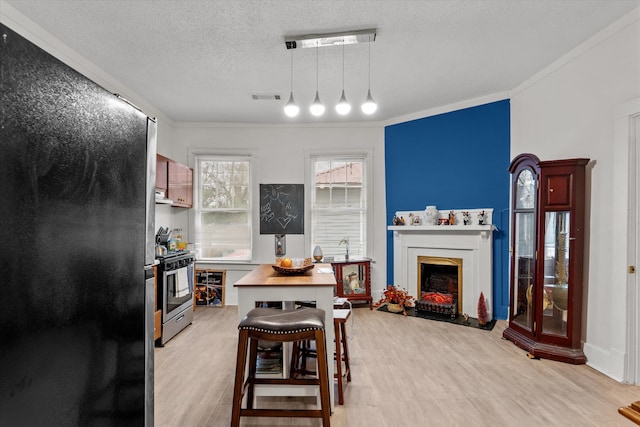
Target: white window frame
[(366, 155), (197, 156)]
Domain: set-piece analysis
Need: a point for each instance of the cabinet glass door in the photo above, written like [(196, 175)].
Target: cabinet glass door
[(524, 270), (353, 279), (556, 273), (524, 250)]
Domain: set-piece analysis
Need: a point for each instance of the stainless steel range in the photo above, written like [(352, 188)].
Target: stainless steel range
[(175, 281)]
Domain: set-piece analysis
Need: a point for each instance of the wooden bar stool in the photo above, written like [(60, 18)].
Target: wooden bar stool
[(270, 324), (339, 323), (302, 350)]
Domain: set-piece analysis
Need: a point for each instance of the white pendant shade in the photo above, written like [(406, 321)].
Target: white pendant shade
[(369, 106), (317, 109), (291, 109), (343, 107)]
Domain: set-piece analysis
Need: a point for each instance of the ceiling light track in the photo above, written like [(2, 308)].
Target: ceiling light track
[(330, 39)]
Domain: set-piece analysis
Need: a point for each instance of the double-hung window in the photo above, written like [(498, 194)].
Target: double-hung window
[(339, 205), (223, 208)]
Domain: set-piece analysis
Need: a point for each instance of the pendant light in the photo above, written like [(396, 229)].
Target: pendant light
[(317, 109), (343, 107), (369, 106), (291, 108)]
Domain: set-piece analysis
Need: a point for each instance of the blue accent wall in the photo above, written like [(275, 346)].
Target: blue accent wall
[(453, 161)]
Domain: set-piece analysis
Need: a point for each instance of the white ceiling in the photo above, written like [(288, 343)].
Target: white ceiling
[(200, 61)]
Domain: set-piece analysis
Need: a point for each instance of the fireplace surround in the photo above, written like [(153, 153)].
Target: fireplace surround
[(471, 244)]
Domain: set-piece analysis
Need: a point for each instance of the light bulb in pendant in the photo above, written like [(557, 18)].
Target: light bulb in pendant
[(343, 107), (317, 109), (369, 106), (291, 109)]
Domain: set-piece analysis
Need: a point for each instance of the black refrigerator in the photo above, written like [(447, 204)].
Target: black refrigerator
[(77, 174)]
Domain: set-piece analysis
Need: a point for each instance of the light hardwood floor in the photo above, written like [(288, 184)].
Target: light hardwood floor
[(406, 371)]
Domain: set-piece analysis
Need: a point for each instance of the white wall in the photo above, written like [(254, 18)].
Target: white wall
[(567, 111), (280, 150), (46, 41), (280, 153)]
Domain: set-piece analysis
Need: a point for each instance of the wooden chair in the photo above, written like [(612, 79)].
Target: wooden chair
[(270, 324)]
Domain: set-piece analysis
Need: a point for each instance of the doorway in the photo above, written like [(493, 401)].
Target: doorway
[(634, 251), (627, 137)]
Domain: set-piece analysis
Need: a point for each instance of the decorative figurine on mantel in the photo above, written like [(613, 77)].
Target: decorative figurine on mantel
[(466, 218), (452, 217), (482, 217), (431, 215), (398, 220)]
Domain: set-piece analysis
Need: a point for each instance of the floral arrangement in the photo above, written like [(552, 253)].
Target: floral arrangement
[(395, 295)]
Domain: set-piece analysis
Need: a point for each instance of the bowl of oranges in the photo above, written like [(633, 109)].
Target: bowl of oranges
[(293, 265)]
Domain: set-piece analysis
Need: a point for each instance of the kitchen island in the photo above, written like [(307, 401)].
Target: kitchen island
[(264, 284)]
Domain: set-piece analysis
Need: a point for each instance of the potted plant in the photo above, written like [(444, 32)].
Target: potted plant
[(345, 241), (396, 299)]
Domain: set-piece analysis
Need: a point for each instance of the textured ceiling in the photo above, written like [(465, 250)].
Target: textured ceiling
[(200, 61)]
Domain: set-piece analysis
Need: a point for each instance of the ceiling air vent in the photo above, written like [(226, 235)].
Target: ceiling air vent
[(265, 96)]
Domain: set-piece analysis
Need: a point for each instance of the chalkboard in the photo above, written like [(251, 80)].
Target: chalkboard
[(281, 208)]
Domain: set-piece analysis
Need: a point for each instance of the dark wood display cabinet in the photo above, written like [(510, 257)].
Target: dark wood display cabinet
[(547, 250), (353, 277)]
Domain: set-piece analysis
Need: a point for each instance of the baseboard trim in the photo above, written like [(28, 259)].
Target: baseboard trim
[(609, 362)]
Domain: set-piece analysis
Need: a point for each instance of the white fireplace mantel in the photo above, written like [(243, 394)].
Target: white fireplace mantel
[(485, 231), (471, 243)]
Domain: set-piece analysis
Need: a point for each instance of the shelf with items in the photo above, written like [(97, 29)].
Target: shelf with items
[(432, 218), (270, 354), (209, 288), (269, 363)]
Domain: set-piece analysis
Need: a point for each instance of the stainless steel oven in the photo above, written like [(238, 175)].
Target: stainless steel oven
[(176, 282)]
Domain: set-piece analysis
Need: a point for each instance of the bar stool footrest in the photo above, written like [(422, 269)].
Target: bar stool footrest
[(290, 413), (291, 381)]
